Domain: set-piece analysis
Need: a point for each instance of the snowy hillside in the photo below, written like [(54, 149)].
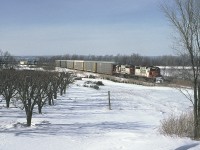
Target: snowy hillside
[(81, 120)]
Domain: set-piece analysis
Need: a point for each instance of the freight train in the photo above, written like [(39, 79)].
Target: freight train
[(111, 68)]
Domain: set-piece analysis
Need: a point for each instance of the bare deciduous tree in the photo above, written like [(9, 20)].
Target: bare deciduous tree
[(55, 83), (8, 85), (30, 88), (64, 80), (184, 15), (27, 91), (42, 83), (7, 61), (49, 90)]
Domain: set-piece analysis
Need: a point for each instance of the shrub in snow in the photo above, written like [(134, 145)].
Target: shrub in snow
[(91, 77), (88, 82), (94, 86), (181, 126), (85, 85), (99, 83), (78, 78)]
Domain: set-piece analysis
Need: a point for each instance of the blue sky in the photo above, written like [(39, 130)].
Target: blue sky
[(86, 27)]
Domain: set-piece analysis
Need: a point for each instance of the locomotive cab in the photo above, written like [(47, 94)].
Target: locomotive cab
[(154, 72), (125, 69), (148, 72)]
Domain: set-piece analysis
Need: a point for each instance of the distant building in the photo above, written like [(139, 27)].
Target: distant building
[(23, 62), (28, 62)]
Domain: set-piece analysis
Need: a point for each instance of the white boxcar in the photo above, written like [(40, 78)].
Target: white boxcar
[(63, 63), (70, 64), (79, 65), (90, 66), (57, 62), (105, 67)]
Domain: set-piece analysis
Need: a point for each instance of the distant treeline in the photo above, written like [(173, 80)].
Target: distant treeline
[(134, 59), (6, 59)]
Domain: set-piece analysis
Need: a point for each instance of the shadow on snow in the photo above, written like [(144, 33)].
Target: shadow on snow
[(76, 129), (186, 147)]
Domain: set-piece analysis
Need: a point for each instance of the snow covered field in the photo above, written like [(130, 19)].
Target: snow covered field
[(81, 120)]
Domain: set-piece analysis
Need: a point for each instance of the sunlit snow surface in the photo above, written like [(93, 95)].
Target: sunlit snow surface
[(81, 120)]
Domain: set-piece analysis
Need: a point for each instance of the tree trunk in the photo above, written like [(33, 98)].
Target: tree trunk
[(28, 118), (39, 105), (39, 109), (61, 91), (65, 90), (55, 95), (52, 101), (8, 102), (196, 114), (49, 100), (195, 124)]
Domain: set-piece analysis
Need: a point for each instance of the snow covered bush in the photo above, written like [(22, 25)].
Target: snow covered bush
[(93, 84), (99, 83), (181, 126)]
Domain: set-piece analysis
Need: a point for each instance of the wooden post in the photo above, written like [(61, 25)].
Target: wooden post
[(109, 104)]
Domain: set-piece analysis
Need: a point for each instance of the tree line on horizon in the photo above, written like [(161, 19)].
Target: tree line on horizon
[(7, 60), (133, 59)]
